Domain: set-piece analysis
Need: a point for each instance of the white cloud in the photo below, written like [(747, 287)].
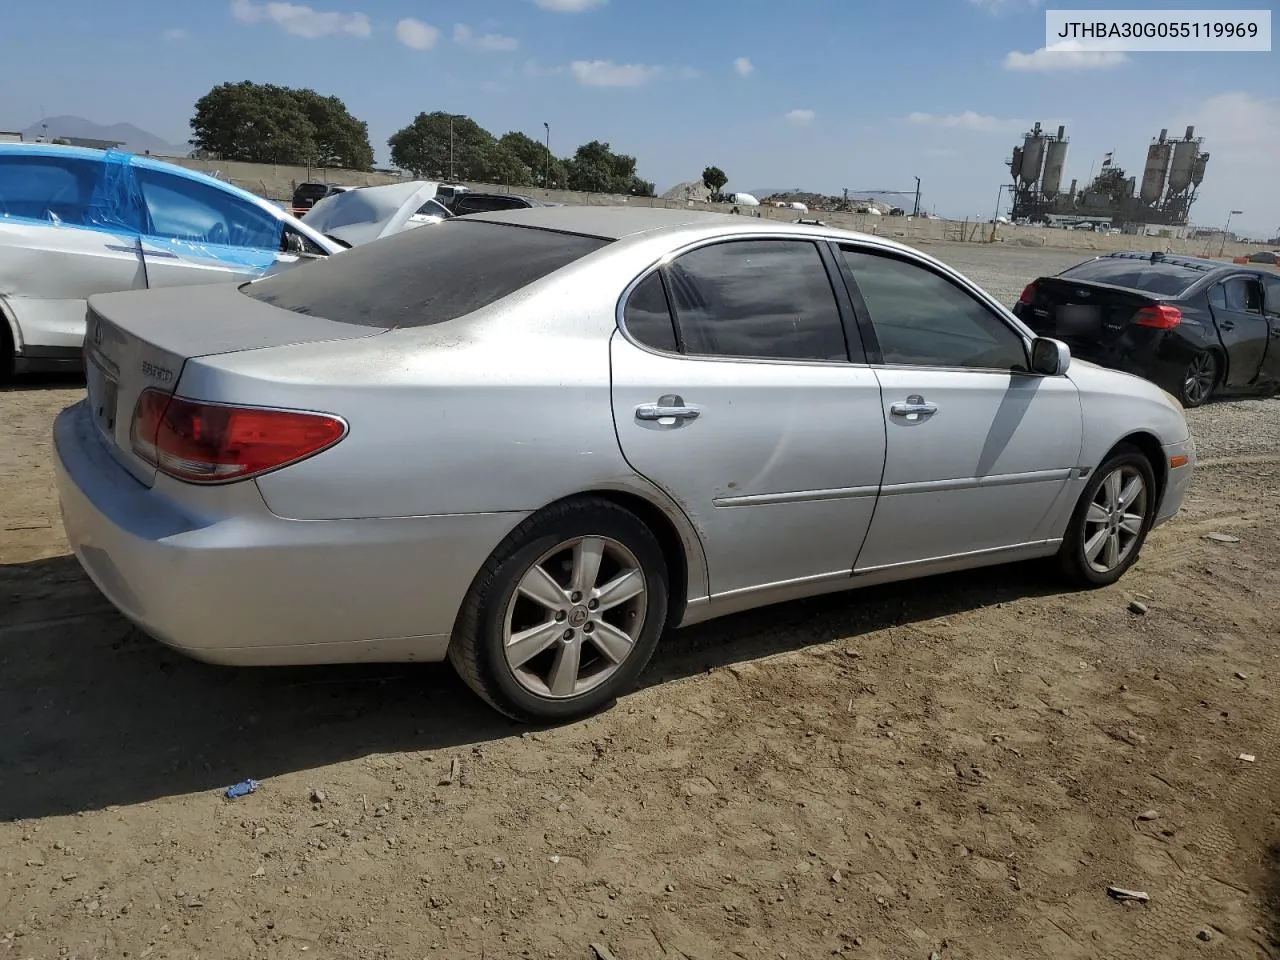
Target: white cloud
[(416, 35), (1064, 56), (690, 73), (486, 43), (801, 116), (969, 120), (570, 6), (744, 67), (606, 73), (301, 20), (173, 34)]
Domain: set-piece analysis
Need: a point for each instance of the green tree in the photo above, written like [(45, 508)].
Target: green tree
[(597, 169), (714, 179), (258, 123), (423, 147), (534, 155), (340, 139), (266, 123)]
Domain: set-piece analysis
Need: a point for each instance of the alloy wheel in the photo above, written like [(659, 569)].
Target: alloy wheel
[(1114, 521), (575, 617), (1201, 375)]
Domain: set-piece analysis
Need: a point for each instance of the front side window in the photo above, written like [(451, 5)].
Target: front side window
[(761, 299), (184, 209), (920, 318)]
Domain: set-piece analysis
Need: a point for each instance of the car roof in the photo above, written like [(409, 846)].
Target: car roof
[(621, 222)]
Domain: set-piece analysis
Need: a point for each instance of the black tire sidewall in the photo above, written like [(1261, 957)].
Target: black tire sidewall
[(1077, 564), (611, 522)]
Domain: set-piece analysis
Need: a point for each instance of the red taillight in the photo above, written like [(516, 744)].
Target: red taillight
[(1161, 317), (1028, 294), (212, 443)]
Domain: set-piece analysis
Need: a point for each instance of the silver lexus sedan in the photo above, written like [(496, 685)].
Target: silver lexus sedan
[(531, 442)]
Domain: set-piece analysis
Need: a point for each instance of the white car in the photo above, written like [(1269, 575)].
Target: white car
[(75, 222), (365, 214)]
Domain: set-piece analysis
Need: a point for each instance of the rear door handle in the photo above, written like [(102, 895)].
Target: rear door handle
[(669, 407), (913, 408), (1226, 325)]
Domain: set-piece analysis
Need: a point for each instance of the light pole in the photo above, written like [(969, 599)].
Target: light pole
[(451, 147), (916, 212), (546, 176), (1225, 229)]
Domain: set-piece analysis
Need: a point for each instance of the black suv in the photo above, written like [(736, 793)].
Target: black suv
[(488, 202), (307, 195)]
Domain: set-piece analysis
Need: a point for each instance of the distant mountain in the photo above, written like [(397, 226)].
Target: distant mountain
[(133, 138)]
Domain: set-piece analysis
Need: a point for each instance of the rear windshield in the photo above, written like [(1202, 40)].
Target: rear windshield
[(424, 276), (1162, 279), (470, 203)]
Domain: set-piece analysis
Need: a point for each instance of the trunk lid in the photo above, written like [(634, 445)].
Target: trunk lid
[(1092, 318), (139, 340)]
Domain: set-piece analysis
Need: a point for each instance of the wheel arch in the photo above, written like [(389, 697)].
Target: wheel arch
[(681, 546), (1150, 447)]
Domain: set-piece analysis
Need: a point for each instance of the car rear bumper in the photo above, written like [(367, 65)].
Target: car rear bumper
[(1179, 474), (213, 573)]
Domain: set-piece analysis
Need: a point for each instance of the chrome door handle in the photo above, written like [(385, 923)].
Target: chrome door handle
[(914, 406), (669, 407)]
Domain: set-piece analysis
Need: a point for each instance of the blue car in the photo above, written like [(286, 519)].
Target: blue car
[(75, 222)]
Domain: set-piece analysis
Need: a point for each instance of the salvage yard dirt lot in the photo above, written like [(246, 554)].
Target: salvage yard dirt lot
[(958, 766)]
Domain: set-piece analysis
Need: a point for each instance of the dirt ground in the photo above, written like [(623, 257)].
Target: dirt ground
[(956, 767)]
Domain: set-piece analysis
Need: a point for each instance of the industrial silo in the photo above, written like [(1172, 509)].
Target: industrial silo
[(1197, 169), (1015, 165), (1054, 160), (1184, 160), (1032, 156), (1154, 172)]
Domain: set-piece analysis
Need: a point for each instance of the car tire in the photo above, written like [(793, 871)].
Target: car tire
[(1199, 380), (8, 356), (1098, 528), (582, 647)]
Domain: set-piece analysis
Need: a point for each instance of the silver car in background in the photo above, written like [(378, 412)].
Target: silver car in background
[(533, 441)]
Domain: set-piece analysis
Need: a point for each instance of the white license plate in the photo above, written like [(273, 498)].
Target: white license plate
[(103, 393)]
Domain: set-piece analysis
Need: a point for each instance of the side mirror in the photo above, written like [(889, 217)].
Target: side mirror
[(1049, 358), (291, 243)]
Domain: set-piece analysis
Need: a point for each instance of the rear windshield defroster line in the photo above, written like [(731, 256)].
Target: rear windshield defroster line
[(423, 276), (1162, 279)]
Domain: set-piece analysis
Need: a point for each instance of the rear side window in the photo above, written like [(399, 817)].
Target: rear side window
[(761, 299), (648, 317), (1271, 296), (1243, 295), (422, 277), (1162, 279), (67, 190)]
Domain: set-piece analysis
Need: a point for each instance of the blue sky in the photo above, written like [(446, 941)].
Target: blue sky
[(821, 94)]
